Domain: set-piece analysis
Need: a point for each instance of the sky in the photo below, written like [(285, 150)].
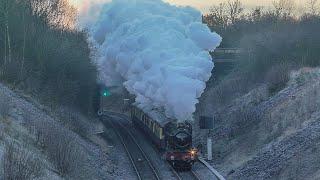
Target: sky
[(203, 5)]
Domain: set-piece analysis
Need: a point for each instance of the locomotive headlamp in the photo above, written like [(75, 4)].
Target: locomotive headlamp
[(193, 152)]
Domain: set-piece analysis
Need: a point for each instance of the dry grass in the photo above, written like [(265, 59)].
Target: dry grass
[(19, 163), (277, 77), (59, 145), (74, 121), (233, 86), (64, 152)]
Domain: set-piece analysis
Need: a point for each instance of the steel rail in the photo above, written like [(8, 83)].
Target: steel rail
[(127, 151), (195, 175), (176, 174), (142, 152)]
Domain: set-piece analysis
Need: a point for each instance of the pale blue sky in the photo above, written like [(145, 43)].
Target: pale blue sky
[(204, 4)]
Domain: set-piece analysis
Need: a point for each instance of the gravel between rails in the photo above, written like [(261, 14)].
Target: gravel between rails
[(117, 153), (161, 165)]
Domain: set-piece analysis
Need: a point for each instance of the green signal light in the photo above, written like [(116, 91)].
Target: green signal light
[(106, 93)]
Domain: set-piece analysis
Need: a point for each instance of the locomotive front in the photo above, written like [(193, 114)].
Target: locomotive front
[(180, 152)]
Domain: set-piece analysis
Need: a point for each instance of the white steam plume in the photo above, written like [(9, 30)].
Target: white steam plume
[(158, 51)]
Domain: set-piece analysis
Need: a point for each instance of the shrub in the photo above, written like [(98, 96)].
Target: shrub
[(4, 105), (59, 145), (18, 163), (277, 77), (64, 152), (230, 88), (74, 120), (243, 119)]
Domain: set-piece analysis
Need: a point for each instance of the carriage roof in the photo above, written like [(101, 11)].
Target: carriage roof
[(157, 116)]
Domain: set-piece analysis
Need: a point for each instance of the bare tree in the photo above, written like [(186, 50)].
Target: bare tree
[(5, 7), (284, 8), (234, 9), (58, 13), (218, 16), (313, 7), (256, 13), (224, 14)]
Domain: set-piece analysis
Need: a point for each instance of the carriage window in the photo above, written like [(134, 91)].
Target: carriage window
[(150, 125), (160, 133), (157, 130)]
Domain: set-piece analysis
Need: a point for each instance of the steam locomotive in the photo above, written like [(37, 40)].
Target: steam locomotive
[(172, 138)]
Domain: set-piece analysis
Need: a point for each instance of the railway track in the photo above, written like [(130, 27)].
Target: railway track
[(189, 175), (139, 160)]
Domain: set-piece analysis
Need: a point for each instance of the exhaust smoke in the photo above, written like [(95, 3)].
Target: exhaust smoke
[(157, 51)]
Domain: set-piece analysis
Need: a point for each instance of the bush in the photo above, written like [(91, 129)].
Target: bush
[(243, 119), (18, 163), (4, 105), (74, 120), (277, 77), (59, 145), (64, 152), (229, 88)]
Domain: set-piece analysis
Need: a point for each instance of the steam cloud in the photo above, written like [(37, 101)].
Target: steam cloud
[(158, 51)]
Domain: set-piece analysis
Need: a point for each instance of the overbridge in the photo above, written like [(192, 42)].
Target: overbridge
[(227, 55)]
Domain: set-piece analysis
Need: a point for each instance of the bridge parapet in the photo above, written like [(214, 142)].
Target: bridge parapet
[(227, 55)]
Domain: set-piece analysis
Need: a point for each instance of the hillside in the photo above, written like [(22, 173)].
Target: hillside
[(270, 136), (39, 143)]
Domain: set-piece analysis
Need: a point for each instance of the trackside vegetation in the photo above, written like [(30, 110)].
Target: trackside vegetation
[(274, 40), (42, 54)]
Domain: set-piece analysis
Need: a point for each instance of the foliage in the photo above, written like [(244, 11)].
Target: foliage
[(43, 54), (275, 41)]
